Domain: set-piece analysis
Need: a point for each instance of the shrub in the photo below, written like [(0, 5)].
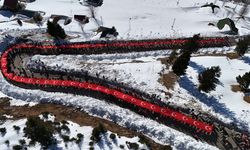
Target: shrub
[(91, 148), (3, 131), (32, 143), (39, 131), (143, 140), (58, 129), (17, 128), (64, 122), (22, 142), (91, 143), (45, 115), (112, 136), (7, 142), (244, 81), (56, 30), (133, 146), (65, 128), (56, 123), (209, 78), (242, 46), (96, 132), (17, 147), (65, 138), (72, 139), (37, 18), (80, 136), (121, 146), (180, 65)]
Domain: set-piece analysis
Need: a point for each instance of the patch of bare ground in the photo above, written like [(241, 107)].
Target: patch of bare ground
[(232, 55), (247, 99), (236, 88), (168, 79), (68, 113)]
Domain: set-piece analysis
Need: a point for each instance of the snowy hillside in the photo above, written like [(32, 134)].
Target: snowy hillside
[(133, 19), (67, 138), (139, 19)]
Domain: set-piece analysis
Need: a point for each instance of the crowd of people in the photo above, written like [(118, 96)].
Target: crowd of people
[(85, 76)]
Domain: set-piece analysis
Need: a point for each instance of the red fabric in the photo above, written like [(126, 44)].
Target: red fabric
[(85, 85)]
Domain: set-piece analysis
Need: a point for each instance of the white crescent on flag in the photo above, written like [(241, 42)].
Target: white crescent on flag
[(208, 128), (115, 93), (163, 110), (143, 104), (184, 118), (196, 123), (173, 114), (124, 96)]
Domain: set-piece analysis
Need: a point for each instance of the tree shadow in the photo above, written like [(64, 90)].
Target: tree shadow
[(210, 101), (246, 59), (200, 68), (104, 141), (195, 66), (6, 13), (55, 147), (6, 41)]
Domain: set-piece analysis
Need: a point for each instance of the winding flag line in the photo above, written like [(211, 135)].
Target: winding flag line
[(95, 87)]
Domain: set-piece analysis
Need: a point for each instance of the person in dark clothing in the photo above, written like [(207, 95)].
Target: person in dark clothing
[(19, 22), (212, 6)]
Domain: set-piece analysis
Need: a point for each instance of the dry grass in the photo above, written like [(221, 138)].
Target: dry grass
[(232, 55), (165, 61), (236, 88), (247, 99), (168, 80)]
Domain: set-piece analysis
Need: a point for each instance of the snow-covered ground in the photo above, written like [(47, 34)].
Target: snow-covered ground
[(139, 19), (158, 132), (13, 136), (2, 95), (142, 19), (223, 100), (141, 72)]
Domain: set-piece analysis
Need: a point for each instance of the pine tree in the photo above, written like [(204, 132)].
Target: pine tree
[(244, 81), (209, 78), (39, 131), (56, 30), (192, 44), (180, 65), (242, 46)]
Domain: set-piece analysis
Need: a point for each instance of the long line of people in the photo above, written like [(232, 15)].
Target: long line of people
[(112, 84)]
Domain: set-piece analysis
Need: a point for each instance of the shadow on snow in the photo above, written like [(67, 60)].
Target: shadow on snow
[(210, 101), (246, 59)]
